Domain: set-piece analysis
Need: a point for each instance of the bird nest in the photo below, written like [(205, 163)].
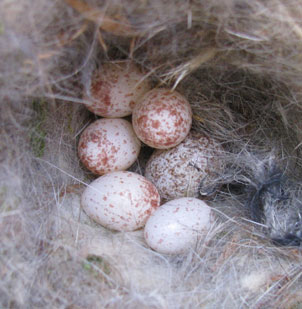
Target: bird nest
[(239, 65)]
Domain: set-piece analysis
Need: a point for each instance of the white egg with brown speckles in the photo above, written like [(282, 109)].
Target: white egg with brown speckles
[(121, 201), (108, 145), (162, 118), (115, 89), (192, 166), (178, 225)]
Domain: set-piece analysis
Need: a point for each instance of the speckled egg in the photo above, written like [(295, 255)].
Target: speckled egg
[(108, 145), (115, 89), (162, 119), (191, 167), (121, 201), (176, 226)]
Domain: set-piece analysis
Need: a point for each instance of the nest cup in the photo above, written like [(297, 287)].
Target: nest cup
[(239, 66)]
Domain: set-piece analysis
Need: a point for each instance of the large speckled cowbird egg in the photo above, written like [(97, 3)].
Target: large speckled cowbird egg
[(176, 226), (121, 201), (190, 167), (115, 89), (162, 118), (108, 145)]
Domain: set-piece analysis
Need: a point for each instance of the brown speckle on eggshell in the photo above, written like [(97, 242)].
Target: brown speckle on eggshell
[(191, 166), (115, 88), (108, 145), (162, 118), (121, 201), (176, 226)]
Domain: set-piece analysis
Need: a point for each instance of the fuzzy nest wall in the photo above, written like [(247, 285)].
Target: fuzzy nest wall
[(239, 65)]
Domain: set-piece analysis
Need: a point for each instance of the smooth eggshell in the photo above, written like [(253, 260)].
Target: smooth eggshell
[(108, 145), (190, 167), (176, 226), (162, 119), (121, 201), (115, 89)]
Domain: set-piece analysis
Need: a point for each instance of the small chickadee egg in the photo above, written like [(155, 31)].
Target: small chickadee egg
[(177, 225), (185, 170), (121, 201), (115, 89), (162, 118), (108, 145)]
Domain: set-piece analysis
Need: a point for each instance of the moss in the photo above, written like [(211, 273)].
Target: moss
[(69, 124), (8, 201), (97, 261), (297, 306), (37, 131), (98, 268), (3, 192), (37, 142)]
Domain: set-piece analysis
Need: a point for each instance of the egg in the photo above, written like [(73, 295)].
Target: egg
[(115, 89), (162, 118), (120, 201), (108, 145), (192, 166), (178, 225)]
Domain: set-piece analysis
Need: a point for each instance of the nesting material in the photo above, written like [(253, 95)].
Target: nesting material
[(188, 170), (238, 63)]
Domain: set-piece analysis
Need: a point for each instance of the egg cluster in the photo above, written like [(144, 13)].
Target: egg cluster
[(125, 201)]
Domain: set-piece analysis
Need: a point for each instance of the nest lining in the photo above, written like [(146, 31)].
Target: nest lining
[(239, 66)]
